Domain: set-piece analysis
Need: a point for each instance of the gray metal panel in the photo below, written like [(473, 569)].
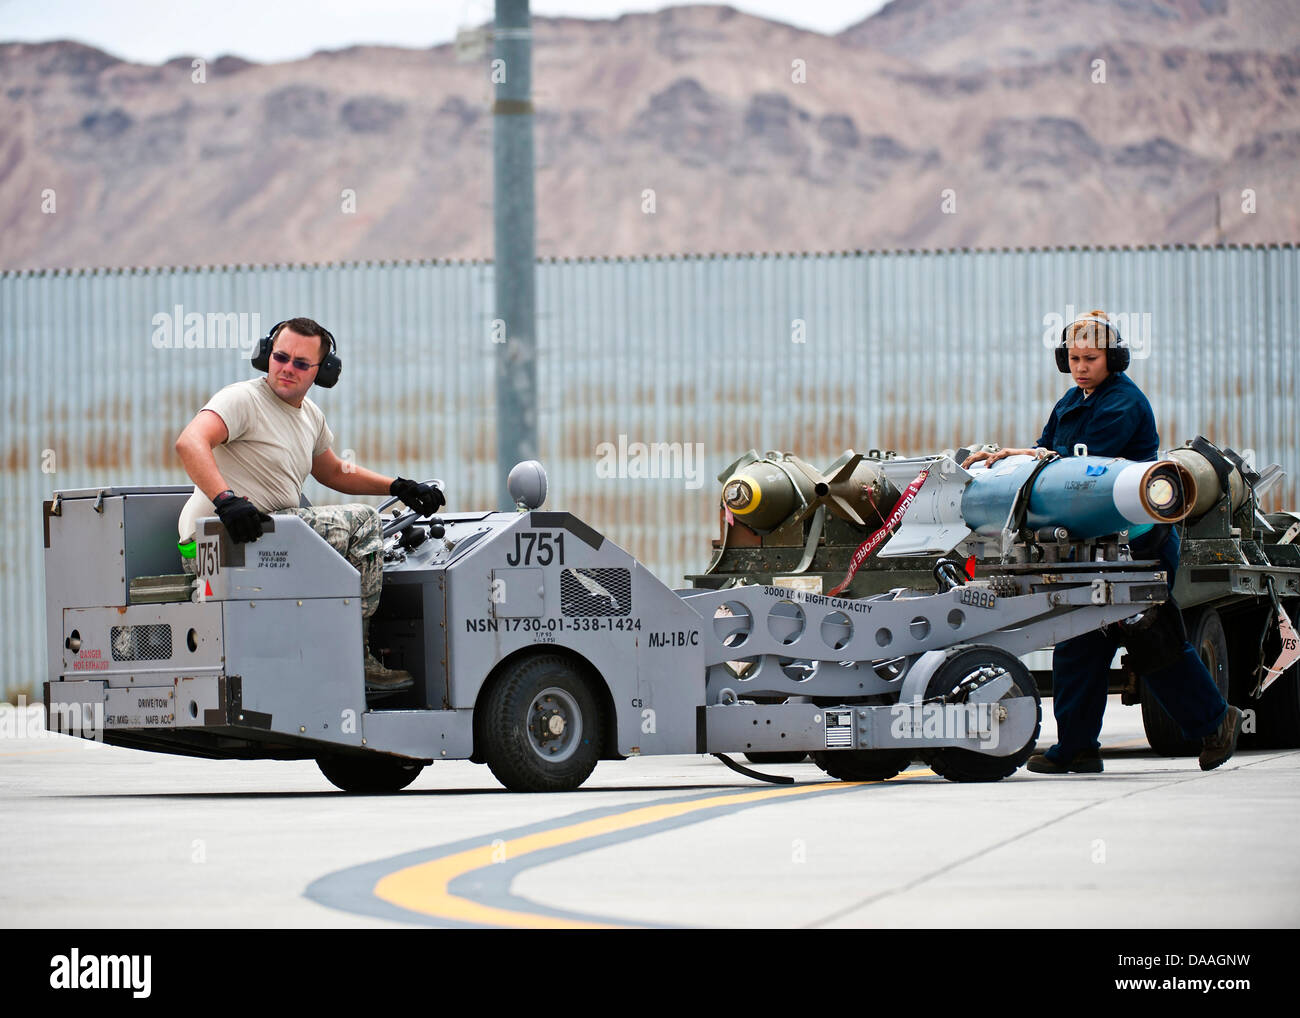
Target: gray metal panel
[(648, 668), (76, 708), (299, 664), (95, 625), (915, 351), (742, 728), (145, 706), (517, 593), (83, 566), (285, 562), (425, 734)]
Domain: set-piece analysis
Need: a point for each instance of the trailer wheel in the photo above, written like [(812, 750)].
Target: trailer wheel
[(1205, 632), (369, 776), (541, 726), (958, 764), (863, 764)]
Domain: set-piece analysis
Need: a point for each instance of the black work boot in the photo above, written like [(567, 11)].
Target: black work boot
[(1086, 761), (1217, 748)]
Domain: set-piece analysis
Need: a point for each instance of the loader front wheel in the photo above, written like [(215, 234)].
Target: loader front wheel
[(379, 775), (541, 726)]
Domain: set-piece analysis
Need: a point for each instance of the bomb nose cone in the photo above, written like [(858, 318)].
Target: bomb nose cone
[(1162, 495), (738, 495), (1169, 491), (769, 493), (1161, 492)]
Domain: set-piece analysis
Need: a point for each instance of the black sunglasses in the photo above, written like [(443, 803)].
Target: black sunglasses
[(280, 357)]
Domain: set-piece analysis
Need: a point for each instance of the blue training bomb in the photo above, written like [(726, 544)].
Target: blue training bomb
[(1090, 496), (1087, 496)]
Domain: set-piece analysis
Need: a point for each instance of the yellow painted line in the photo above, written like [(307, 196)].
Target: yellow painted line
[(423, 887)]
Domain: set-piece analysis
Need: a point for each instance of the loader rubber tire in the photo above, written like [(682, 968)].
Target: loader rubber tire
[(522, 751), (380, 775), (968, 765), (863, 764)]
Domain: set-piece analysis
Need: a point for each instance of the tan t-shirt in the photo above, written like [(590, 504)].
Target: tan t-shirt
[(267, 455)]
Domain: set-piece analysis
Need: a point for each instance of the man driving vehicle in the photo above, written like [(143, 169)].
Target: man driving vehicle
[(251, 447)]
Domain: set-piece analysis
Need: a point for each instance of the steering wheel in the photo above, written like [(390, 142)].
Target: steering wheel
[(412, 516)]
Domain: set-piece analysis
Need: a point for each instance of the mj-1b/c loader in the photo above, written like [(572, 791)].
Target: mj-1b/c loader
[(538, 647)]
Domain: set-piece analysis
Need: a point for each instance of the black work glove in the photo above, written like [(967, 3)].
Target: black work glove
[(426, 499), (242, 520)]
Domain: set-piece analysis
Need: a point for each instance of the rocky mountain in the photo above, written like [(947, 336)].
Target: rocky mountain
[(933, 123)]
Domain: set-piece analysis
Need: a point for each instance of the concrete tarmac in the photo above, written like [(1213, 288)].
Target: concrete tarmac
[(95, 836)]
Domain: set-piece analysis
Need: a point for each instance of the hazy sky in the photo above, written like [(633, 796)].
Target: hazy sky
[(152, 31)]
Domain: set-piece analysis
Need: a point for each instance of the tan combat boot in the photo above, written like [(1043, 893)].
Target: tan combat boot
[(382, 679)]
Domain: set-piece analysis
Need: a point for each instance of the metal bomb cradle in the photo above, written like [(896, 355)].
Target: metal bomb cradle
[(1238, 584), (539, 646)]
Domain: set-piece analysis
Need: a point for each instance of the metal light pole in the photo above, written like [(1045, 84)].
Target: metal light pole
[(514, 240)]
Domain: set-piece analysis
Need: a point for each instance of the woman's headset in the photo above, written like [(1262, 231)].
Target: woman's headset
[(1117, 352), (327, 375)]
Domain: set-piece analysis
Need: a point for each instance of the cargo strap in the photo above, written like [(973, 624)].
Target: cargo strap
[(1222, 468), (1020, 505), (814, 535)]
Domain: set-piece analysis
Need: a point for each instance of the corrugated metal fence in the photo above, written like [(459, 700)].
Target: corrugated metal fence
[(710, 356)]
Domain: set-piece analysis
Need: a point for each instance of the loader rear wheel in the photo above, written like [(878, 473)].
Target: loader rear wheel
[(1206, 634), (863, 764), (965, 663), (541, 726), (379, 775)]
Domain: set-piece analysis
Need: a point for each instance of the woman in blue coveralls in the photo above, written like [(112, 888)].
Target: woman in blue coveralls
[(1109, 415)]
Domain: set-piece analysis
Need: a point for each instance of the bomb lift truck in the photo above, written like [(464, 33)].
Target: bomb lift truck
[(538, 647)]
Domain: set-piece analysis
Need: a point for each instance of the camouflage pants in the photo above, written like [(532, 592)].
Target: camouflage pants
[(354, 531)]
